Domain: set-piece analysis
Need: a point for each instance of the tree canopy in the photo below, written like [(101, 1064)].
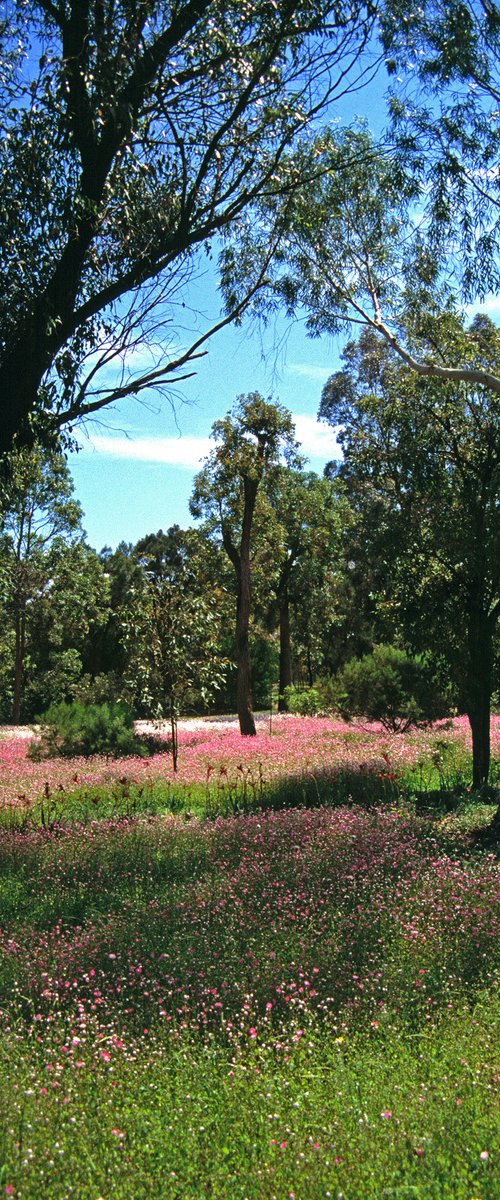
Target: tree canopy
[(360, 249), (132, 134), (389, 232), (252, 440), (54, 590), (422, 471)]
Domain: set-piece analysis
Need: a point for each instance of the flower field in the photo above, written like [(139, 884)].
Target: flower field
[(274, 1005), (212, 755)]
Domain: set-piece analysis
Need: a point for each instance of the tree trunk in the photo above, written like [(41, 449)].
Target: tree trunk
[(242, 565), (19, 382), (479, 682), (480, 728), (310, 675), (19, 665), (285, 668), (243, 681), (174, 730)]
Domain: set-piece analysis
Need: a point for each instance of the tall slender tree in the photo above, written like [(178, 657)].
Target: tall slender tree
[(301, 531), (251, 442)]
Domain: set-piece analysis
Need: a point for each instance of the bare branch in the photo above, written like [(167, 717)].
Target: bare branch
[(462, 374)]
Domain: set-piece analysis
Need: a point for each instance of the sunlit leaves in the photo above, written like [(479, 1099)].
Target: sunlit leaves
[(140, 132)]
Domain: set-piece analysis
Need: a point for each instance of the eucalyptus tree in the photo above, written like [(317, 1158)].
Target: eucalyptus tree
[(421, 469), (443, 62), (301, 530), (389, 232), (251, 442), (133, 133), (360, 249), (172, 634), (54, 589)]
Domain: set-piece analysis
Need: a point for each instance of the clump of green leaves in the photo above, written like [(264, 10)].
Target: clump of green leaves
[(303, 701), (74, 730), (391, 687)]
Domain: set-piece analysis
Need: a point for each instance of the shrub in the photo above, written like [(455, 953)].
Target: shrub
[(389, 686), (74, 730), (304, 703)]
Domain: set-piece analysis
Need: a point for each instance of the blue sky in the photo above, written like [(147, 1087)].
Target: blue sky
[(134, 471)]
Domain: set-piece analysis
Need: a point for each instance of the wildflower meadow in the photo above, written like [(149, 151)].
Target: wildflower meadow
[(274, 977)]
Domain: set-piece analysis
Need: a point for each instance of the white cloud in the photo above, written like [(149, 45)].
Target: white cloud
[(185, 452), (317, 441), (316, 437), (309, 371)]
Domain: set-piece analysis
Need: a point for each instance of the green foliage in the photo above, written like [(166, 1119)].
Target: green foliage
[(252, 441), (304, 701), (53, 590), (389, 686), (449, 49), (354, 253), (71, 730), (421, 469), (172, 635), (264, 666), (98, 689), (174, 663), (141, 132)]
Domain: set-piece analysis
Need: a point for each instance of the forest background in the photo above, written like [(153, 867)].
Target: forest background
[(112, 192)]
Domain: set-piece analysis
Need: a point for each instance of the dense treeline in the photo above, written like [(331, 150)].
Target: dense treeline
[(289, 578), (140, 140)]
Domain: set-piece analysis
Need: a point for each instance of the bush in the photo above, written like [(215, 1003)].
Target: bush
[(389, 686), (305, 702), (74, 730)]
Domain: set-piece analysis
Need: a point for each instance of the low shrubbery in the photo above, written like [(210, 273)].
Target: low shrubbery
[(391, 687), (386, 685), (304, 702), (80, 730)]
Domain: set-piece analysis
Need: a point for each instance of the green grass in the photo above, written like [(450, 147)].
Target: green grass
[(420, 788), (194, 1121), (124, 798), (159, 1033)]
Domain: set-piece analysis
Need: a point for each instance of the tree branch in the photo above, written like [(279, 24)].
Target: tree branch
[(431, 370)]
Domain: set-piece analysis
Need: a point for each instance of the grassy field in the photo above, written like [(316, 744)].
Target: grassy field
[(247, 996)]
